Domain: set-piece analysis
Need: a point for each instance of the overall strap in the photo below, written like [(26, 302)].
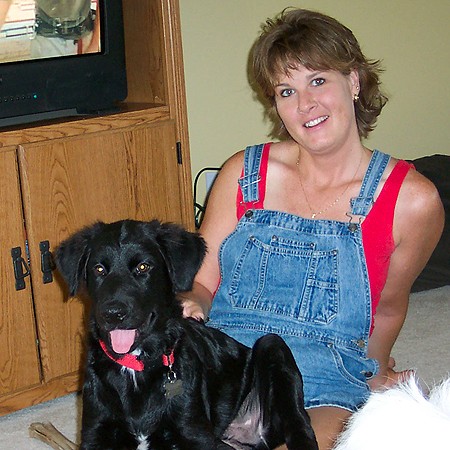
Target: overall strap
[(249, 181), (361, 205)]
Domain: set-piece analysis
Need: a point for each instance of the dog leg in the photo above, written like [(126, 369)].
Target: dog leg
[(281, 387)]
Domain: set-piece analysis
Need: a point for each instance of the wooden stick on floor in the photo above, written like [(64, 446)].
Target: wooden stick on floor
[(47, 433)]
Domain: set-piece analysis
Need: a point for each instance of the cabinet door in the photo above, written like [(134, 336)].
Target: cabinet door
[(71, 183), (19, 366)]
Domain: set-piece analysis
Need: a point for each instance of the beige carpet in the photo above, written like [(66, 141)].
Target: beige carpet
[(424, 344), (63, 413)]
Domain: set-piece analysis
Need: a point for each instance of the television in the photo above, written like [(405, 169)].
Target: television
[(60, 58)]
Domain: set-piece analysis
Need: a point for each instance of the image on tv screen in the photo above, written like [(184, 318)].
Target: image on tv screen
[(37, 29)]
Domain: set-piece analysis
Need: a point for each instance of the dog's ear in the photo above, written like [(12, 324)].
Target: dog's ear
[(183, 252), (72, 255)]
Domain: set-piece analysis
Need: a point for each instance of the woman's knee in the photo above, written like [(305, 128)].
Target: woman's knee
[(327, 423)]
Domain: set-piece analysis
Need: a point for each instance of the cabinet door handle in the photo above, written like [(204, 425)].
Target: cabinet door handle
[(21, 269), (47, 264)]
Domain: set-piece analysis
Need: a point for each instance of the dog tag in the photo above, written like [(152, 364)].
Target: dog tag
[(173, 388)]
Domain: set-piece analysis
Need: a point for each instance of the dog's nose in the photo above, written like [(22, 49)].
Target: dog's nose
[(114, 315)]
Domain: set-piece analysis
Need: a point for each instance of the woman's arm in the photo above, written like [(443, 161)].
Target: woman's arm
[(418, 224), (219, 221)]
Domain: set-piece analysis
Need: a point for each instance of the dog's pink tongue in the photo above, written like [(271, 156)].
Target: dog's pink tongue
[(122, 340)]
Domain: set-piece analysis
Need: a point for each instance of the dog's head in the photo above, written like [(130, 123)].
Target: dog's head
[(132, 271)]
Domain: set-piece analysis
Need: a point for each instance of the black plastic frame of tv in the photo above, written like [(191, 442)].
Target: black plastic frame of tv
[(71, 85)]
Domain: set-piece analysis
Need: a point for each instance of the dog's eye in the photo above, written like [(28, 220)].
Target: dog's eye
[(143, 267), (99, 270)]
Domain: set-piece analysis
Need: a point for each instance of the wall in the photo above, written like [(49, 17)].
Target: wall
[(410, 36)]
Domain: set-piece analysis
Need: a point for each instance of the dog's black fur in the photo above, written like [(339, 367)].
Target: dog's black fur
[(133, 271)]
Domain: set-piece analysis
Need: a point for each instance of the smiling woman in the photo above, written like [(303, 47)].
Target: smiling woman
[(316, 108), (322, 44), (317, 238)]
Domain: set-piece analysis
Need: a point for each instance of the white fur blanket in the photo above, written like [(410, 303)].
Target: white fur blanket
[(401, 418)]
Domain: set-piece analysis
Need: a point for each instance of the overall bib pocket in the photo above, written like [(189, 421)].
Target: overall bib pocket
[(286, 277)]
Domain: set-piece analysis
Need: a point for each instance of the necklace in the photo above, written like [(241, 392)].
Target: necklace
[(333, 203)]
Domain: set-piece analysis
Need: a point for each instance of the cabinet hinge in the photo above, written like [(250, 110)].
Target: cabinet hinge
[(179, 154)]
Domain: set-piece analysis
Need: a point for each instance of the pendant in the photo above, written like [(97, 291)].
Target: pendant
[(313, 215), (173, 388), (172, 385)]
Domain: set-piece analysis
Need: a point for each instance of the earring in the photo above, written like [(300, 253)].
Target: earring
[(355, 98)]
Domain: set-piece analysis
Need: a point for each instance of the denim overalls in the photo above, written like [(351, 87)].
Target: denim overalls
[(307, 281)]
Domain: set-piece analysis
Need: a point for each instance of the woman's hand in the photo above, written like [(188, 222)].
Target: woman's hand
[(196, 303), (192, 308), (393, 377)]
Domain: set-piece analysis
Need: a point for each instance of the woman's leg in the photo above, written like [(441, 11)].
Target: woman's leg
[(327, 423)]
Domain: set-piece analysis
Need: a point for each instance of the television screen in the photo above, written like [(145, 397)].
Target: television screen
[(60, 58), (36, 29)]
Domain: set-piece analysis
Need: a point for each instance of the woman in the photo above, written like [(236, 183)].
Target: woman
[(317, 238)]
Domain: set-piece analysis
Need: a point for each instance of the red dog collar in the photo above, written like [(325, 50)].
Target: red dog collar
[(128, 360)]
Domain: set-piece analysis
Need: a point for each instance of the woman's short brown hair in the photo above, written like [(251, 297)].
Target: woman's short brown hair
[(317, 42)]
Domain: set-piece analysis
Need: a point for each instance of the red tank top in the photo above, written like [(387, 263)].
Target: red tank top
[(378, 241)]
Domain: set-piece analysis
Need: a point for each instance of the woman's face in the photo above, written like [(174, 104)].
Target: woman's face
[(317, 108)]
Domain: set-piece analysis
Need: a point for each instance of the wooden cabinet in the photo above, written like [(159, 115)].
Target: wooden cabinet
[(17, 324), (60, 176)]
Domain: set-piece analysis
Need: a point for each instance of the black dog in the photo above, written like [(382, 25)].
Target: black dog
[(155, 380)]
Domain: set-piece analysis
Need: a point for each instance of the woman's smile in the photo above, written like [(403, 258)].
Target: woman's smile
[(314, 122)]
